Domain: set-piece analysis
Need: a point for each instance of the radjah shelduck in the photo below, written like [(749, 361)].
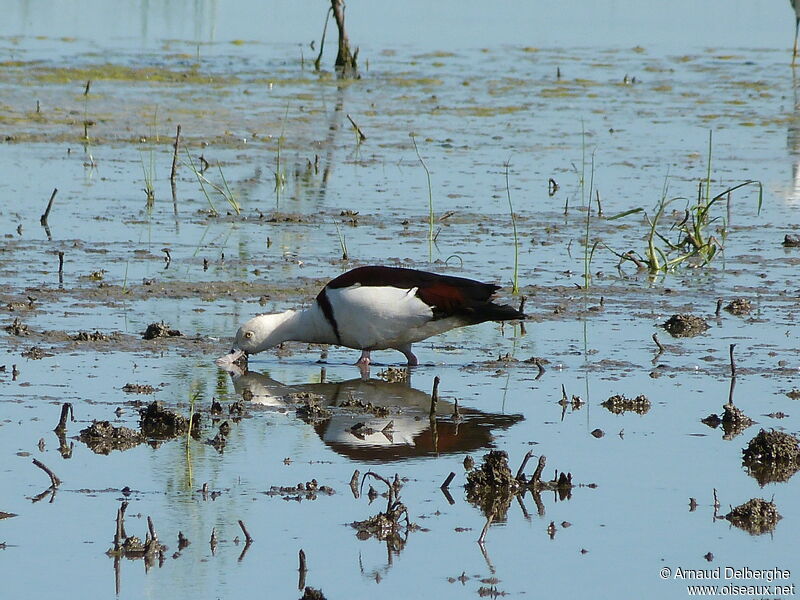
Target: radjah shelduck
[(376, 308)]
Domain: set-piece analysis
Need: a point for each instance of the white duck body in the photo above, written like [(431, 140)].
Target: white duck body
[(375, 308), (377, 318)]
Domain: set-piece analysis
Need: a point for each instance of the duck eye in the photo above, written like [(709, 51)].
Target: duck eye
[(248, 334)]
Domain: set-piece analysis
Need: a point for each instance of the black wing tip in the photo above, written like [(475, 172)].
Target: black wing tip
[(497, 312)]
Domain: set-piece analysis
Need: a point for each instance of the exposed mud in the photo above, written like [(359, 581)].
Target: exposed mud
[(309, 490), (620, 404), (685, 325), (312, 410), (492, 486), (733, 421), (791, 241), (392, 525), (739, 306), (156, 423), (101, 437), (756, 516), (96, 336), (131, 546), (17, 328), (138, 388), (772, 456), (310, 593), (773, 446), (36, 353), (159, 330), (394, 375), (160, 423)]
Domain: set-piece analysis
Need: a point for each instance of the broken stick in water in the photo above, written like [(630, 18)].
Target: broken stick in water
[(447, 481), (658, 343), (46, 214), (66, 412), (434, 395), (248, 539), (489, 520), (54, 480), (301, 583), (175, 155), (361, 136), (525, 460)]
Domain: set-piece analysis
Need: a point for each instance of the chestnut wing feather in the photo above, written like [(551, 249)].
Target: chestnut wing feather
[(447, 295)]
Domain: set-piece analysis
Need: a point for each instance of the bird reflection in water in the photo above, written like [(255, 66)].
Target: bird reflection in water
[(395, 425)]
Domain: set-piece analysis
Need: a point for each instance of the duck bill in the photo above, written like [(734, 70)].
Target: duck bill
[(229, 359)]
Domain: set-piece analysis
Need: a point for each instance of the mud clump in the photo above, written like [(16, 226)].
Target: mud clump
[(773, 446), (733, 421), (739, 306), (735, 417), (158, 422), (685, 325), (17, 328), (236, 409), (365, 407), (221, 439), (619, 404), (36, 353), (311, 593), (96, 336), (494, 473), (160, 330), (132, 547), (137, 388), (387, 526), (309, 490), (756, 516), (287, 218), (492, 486), (791, 241), (394, 375), (312, 411), (101, 437), (302, 397), (772, 456)]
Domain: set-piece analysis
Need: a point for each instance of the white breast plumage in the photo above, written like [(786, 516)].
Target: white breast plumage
[(377, 317)]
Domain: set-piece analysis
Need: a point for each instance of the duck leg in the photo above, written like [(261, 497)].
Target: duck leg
[(364, 360), (406, 350), (363, 364)]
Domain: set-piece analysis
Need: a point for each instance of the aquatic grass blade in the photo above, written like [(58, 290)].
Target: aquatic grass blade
[(431, 217), (515, 280)]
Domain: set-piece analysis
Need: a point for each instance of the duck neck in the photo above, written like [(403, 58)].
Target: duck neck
[(308, 325)]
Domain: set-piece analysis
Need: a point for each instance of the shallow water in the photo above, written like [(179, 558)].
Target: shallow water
[(633, 106)]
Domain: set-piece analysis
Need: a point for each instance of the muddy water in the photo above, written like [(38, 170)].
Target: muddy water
[(627, 113)]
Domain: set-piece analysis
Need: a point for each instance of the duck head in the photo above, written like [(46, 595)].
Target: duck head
[(256, 335)]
